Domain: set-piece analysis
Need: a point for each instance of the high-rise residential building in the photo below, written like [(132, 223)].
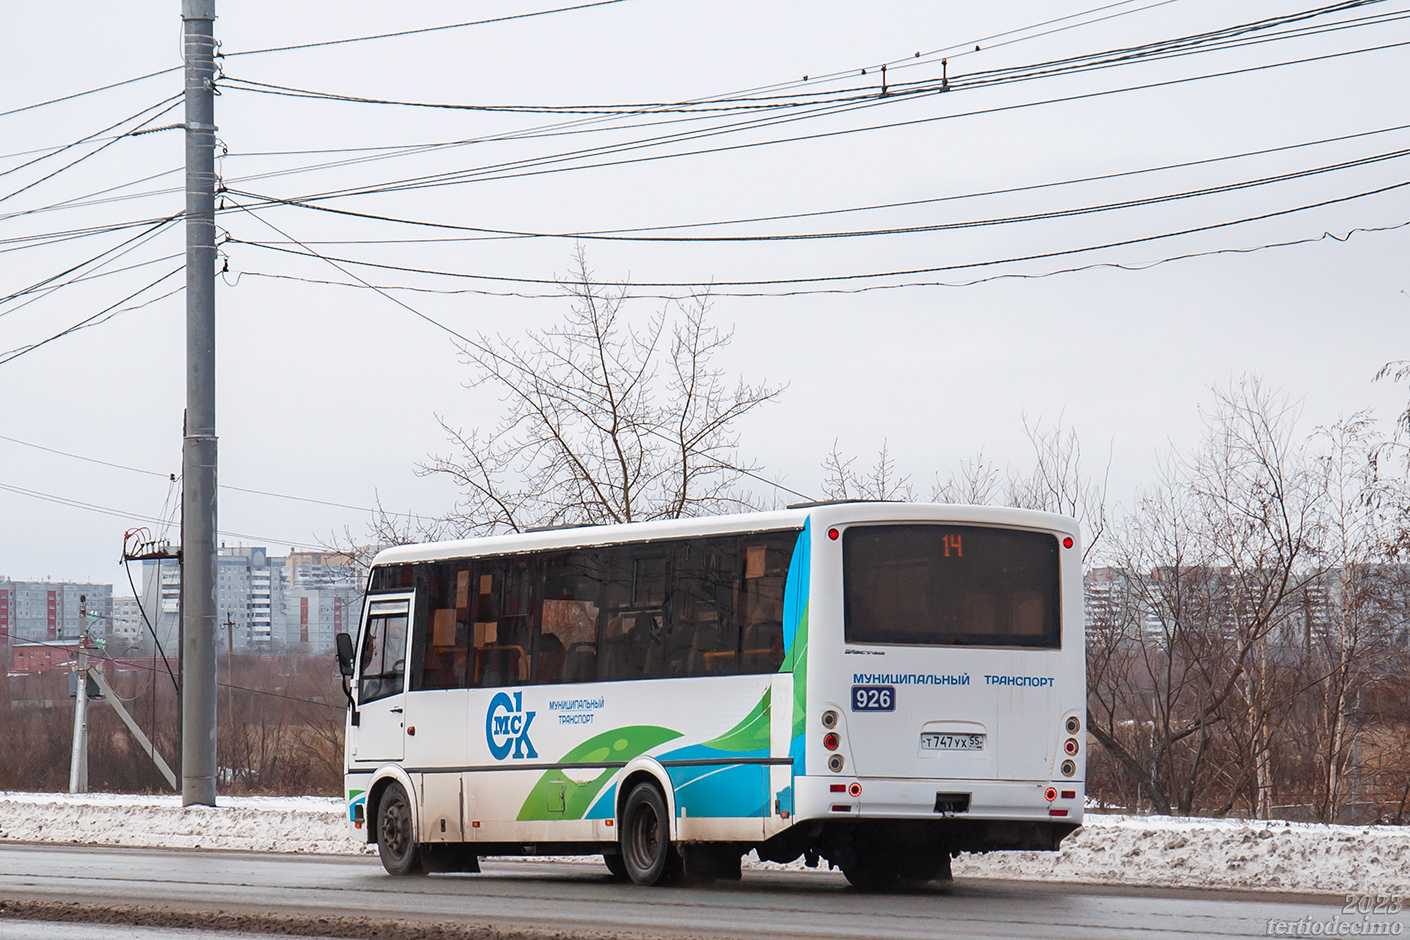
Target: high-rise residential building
[(126, 627), (323, 598), (50, 610), (264, 603)]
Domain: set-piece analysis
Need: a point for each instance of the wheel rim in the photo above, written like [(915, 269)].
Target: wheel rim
[(396, 831), (646, 836)]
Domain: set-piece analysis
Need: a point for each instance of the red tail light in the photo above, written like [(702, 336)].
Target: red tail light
[(1050, 794), (855, 790), (831, 740)]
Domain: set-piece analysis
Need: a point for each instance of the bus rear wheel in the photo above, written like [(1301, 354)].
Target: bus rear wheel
[(396, 834), (616, 866), (646, 851)]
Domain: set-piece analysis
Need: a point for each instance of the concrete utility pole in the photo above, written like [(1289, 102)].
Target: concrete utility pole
[(198, 457), (78, 763)]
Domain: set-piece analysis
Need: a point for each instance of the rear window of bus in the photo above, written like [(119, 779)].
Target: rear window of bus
[(948, 585)]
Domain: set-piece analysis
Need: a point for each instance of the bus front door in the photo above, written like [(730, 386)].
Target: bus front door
[(380, 732)]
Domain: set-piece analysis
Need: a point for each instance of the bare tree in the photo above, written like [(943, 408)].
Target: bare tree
[(977, 481), (1217, 559), (1058, 484), (880, 481), (1350, 621), (604, 422)]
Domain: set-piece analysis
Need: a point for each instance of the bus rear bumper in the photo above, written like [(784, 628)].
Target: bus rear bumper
[(929, 798)]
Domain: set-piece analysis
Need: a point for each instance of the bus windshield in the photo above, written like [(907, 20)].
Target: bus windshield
[(947, 585)]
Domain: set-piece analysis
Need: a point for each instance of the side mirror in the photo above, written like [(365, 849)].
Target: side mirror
[(345, 654)]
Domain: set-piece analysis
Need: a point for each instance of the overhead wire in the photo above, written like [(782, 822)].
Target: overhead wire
[(1202, 43), (474, 344), (714, 285), (422, 30), (102, 316), (906, 230), (171, 103), (134, 516), (224, 486), (481, 233), (536, 166), (1010, 275), (87, 200), (548, 130), (90, 91), (138, 239)]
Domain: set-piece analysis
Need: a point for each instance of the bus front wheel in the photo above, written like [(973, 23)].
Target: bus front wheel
[(396, 836), (647, 853)]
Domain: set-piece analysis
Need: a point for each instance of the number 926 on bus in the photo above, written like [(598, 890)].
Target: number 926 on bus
[(873, 698)]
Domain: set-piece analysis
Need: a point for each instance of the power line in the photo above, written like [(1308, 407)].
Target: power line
[(910, 203), (94, 319), (87, 201), (171, 103), (713, 284), (908, 230), (1015, 275), (134, 516), (1219, 40), (422, 30), (91, 91), (545, 164), (141, 667), (150, 232), (868, 98), (224, 486), (485, 349)]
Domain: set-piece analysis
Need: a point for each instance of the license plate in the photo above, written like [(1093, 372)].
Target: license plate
[(944, 741)]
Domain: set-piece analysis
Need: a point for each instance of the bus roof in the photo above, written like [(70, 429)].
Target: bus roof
[(839, 513)]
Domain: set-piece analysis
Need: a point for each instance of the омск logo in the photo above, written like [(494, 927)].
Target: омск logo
[(507, 726)]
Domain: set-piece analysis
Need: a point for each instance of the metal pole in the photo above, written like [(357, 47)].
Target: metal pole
[(198, 501), (78, 762)]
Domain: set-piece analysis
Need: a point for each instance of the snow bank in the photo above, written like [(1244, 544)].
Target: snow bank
[(307, 824), (1110, 849), (1215, 853)]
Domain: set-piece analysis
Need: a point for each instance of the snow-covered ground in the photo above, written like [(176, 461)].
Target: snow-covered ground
[(1110, 849)]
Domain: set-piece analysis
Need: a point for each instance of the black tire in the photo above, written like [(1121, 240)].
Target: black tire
[(645, 837), (396, 834), (616, 866), (871, 877)]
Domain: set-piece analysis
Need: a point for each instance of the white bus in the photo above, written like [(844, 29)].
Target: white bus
[(881, 685)]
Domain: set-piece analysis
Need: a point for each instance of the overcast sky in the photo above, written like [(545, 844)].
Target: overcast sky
[(330, 392)]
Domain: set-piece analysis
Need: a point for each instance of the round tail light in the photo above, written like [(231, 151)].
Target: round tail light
[(831, 740), (1050, 794), (1070, 746), (855, 790)]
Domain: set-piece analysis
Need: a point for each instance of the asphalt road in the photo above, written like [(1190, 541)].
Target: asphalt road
[(575, 897)]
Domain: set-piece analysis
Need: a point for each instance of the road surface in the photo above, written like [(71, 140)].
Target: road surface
[(576, 899)]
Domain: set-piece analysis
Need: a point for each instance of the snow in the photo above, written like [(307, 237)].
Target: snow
[(1110, 849)]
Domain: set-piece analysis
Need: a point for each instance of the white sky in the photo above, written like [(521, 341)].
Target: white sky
[(330, 392)]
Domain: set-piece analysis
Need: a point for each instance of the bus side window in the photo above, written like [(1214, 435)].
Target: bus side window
[(447, 629), (633, 612), (566, 648), (383, 658), (504, 620), (766, 561), (704, 636)]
